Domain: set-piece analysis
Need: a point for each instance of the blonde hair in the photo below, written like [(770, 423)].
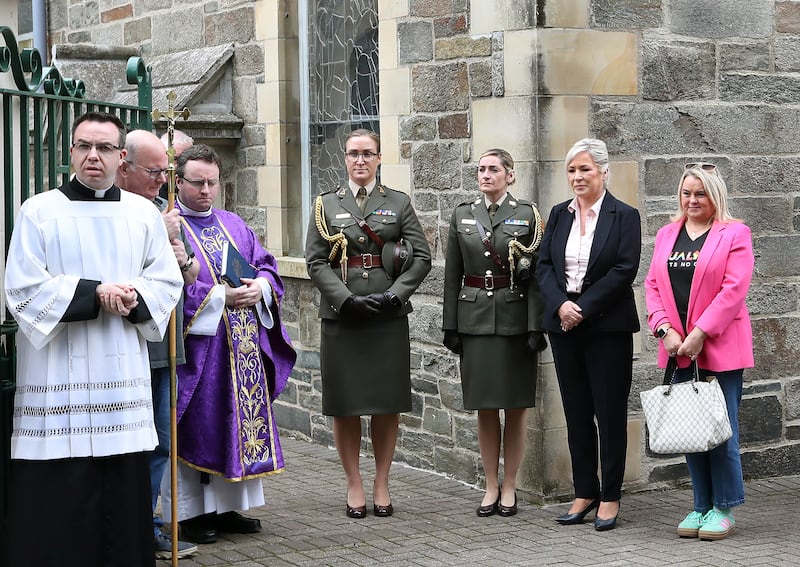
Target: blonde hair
[(715, 188), (505, 160)]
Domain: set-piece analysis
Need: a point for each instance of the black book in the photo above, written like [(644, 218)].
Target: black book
[(234, 266)]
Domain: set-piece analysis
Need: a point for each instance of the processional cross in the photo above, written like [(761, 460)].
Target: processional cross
[(170, 117)]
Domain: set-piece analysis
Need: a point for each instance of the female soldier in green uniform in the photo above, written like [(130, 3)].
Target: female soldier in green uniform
[(366, 253), (493, 319)]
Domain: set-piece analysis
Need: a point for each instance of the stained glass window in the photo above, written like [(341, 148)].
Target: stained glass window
[(342, 83)]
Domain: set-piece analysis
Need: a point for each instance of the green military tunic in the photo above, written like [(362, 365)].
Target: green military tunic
[(365, 364), (493, 320)]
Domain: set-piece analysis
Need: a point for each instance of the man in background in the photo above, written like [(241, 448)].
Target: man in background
[(142, 172)]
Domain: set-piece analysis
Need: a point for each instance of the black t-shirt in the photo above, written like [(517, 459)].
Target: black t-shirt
[(680, 265)]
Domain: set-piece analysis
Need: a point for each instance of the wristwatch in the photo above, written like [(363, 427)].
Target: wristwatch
[(187, 265), (661, 332)]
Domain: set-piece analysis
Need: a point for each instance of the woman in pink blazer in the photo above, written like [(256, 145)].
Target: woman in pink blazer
[(695, 290)]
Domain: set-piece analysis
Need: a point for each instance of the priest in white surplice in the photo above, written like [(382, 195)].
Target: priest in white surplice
[(90, 278)]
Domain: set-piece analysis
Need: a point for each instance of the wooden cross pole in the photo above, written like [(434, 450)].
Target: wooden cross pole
[(170, 117)]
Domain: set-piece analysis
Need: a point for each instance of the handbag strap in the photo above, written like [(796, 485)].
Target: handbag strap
[(669, 378)]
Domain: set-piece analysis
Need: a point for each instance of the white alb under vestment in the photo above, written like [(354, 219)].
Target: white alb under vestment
[(83, 387)]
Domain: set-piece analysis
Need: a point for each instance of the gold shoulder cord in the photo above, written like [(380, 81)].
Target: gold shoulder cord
[(338, 241), (517, 249)]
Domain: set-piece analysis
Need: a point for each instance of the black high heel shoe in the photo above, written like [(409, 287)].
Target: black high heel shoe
[(507, 511), (356, 512), (489, 509), (383, 511), (602, 525), (577, 517)]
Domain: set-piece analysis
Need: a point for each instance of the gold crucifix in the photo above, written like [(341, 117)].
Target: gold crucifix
[(171, 116)]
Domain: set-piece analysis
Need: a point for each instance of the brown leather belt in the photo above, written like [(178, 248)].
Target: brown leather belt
[(487, 282), (365, 261)]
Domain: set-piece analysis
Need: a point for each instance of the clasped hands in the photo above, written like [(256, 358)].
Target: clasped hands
[(246, 295), (690, 346), (570, 314), (116, 298), (360, 307)]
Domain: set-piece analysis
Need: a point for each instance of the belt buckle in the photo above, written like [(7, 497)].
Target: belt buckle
[(488, 282), (366, 261)]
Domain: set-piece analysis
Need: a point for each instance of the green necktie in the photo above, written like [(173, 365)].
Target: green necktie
[(361, 198)]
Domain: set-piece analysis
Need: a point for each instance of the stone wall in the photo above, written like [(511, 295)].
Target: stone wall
[(663, 82), (159, 27)]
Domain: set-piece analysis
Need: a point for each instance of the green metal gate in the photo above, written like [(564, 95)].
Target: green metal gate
[(36, 119)]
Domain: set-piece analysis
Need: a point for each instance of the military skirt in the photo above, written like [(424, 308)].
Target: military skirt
[(497, 372), (366, 367)]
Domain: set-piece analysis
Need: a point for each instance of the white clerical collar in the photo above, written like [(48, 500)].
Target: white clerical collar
[(354, 187), (189, 212), (98, 193)]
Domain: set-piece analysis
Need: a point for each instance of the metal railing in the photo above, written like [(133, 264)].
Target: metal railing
[(37, 113)]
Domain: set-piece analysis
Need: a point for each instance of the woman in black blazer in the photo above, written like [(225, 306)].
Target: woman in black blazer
[(587, 263)]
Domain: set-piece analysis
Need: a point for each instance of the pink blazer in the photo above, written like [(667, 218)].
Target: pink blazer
[(716, 300)]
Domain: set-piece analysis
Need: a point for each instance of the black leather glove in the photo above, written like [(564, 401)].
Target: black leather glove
[(452, 341), (390, 302), (536, 341), (360, 307)]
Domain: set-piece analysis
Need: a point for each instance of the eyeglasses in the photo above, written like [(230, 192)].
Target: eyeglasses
[(705, 166), (366, 156), (102, 149), (154, 173), (199, 183)]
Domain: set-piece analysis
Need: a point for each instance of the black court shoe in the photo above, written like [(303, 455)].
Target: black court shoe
[(577, 517), (489, 509)]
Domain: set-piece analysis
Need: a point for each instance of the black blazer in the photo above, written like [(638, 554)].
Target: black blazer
[(607, 296)]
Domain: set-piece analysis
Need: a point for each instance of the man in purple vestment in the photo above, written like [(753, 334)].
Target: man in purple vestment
[(238, 359)]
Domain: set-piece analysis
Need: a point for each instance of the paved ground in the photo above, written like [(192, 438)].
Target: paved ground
[(435, 525)]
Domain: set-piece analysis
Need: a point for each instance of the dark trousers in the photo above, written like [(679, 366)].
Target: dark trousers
[(594, 371), (87, 512)]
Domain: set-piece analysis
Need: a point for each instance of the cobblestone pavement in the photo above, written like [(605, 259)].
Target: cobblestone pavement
[(434, 524)]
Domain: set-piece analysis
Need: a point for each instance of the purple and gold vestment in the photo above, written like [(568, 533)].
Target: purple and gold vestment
[(226, 425)]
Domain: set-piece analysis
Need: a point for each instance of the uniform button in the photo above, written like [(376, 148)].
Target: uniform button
[(488, 234), (489, 293), (488, 272), (464, 296), (364, 275), (361, 239), (516, 233), (487, 253), (466, 230)]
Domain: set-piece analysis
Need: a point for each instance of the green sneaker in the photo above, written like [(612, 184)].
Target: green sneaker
[(717, 524), (691, 524)]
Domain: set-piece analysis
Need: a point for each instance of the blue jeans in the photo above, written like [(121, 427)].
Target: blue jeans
[(159, 378), (717, 474)]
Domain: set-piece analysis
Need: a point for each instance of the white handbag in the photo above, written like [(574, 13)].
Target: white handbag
[(689, 417)]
